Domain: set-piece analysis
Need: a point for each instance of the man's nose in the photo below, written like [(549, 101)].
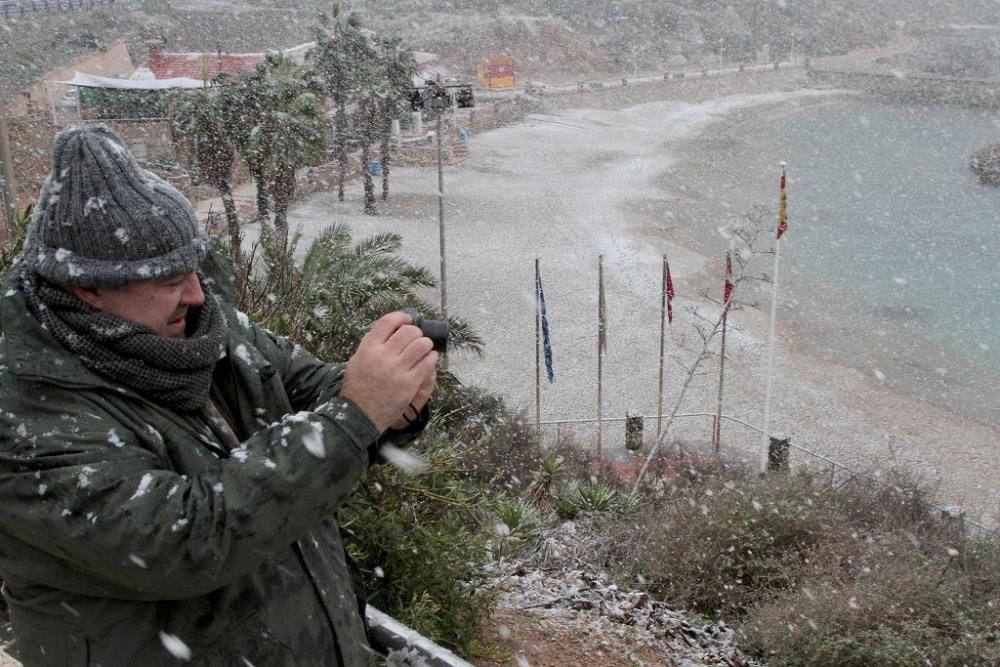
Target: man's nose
[(192, 294)]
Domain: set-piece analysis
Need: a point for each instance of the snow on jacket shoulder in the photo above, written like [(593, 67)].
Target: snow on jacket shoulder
[(130, 537)]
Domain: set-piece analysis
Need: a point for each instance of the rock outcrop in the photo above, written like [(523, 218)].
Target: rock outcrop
[(986, 163)]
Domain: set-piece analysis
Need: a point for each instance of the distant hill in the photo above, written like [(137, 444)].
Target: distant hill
[(549, 39)]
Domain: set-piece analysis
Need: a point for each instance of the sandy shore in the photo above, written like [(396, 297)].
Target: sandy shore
[(574, 183)]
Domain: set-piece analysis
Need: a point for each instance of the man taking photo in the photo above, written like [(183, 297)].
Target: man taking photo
[(169, 471)]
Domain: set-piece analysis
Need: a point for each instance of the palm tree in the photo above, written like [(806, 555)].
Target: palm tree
[(241, 102), (341, 50), (329, 300), (198, 129), (286, 129), (372, 91), (399, 67)]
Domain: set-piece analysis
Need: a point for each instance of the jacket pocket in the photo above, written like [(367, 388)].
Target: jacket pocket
[(48, 648), (250, 643)]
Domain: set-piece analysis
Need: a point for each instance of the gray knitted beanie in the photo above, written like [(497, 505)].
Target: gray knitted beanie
[(103, 221)]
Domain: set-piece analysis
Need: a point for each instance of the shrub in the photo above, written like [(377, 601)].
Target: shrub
[(517, 523), (12, 248), (590, 497), (419, 543), (887, 601), (717, 546), (500, 447)]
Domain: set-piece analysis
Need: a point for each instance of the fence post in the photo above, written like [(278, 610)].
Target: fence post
[(777, 454)]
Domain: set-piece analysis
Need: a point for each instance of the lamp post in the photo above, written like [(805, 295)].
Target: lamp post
[(440, 103), (8, 190)]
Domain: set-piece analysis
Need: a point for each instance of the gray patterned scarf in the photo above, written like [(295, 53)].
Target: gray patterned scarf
[(176, 372)]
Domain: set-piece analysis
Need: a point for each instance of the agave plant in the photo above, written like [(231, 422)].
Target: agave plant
[(543, 481), (329, 299), (591, 497), (517, 522)]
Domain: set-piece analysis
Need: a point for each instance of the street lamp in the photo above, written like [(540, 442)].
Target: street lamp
[(440, 103)]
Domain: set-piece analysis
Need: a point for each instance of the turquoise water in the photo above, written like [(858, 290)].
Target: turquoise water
[(891, 264)]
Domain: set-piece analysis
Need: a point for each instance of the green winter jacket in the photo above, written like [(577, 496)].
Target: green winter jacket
[(130, 536)]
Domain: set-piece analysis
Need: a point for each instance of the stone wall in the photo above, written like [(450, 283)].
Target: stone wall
[(916, 88)]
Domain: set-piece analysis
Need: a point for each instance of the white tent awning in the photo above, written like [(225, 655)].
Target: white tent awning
[(91, 81)]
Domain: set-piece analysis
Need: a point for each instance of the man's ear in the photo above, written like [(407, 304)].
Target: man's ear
[(91, 296)]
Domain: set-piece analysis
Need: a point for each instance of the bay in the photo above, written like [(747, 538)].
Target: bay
[(890, 264)]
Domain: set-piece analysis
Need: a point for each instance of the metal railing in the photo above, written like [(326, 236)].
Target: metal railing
[(838, 470), (18, 8)]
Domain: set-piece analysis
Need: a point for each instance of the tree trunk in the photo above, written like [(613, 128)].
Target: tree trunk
[(370, 208), (259, 176), (283, 189), (368, 115), (232, 220), (340, 138), (386, 138)]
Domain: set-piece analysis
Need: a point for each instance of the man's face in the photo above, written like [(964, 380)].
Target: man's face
[(161, 305)]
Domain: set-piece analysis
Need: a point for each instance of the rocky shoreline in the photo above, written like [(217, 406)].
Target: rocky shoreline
[(986, 163)]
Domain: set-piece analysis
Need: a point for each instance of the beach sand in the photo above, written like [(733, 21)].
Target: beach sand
[(572, 184)]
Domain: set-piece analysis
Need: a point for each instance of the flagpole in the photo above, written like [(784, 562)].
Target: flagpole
[(727, 300), (782, 224), (538, 363), (663, 338), (600, 351)]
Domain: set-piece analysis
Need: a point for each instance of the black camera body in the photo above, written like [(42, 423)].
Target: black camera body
[(436, 330)]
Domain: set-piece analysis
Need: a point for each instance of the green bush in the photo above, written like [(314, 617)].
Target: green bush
[(420, 543), (719, 551), (593, 497), (499, 446), (517, 523), (887, 602), (12, 248)]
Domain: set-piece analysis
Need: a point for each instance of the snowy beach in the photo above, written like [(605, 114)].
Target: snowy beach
[(571, 185)]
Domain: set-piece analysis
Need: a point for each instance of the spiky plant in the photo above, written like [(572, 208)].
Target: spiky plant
[(517, 522), (18, 229), (328, 300), (543, 481)]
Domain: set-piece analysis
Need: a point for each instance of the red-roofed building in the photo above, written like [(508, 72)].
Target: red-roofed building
[(209, 65)]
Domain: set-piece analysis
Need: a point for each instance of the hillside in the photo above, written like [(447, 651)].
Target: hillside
[(549, 39)]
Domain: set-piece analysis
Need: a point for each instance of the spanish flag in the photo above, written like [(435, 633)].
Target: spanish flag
[(727, 294), (783, 206)]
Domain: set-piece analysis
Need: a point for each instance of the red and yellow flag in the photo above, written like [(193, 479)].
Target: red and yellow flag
[(783, 206), (728, 292)]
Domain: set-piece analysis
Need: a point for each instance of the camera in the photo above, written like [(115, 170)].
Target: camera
[(436, 330)]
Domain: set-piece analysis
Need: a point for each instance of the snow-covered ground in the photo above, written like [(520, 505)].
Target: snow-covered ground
[(565, 188)]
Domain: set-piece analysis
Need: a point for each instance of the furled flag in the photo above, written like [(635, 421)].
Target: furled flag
[(668, 289), (546, 341), (602, 310), (783, 205), (728, 292)]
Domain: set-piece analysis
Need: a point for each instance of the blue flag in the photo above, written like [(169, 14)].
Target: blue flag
[(546, 341)]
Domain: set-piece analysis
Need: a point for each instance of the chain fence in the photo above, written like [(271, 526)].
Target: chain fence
[(635, 435)]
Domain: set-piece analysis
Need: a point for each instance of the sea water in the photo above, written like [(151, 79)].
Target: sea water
[(890, 265)]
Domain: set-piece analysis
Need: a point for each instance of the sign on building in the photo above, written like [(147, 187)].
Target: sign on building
[(496, 73)]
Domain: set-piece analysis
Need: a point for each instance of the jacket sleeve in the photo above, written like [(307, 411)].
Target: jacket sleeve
[(94, 506), (309, 381)]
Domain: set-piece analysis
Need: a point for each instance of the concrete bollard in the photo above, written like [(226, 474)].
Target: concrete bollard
[(633, 432), (777, 454)]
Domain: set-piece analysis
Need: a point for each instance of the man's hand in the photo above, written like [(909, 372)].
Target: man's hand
[(393, 366), (412, 411)]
